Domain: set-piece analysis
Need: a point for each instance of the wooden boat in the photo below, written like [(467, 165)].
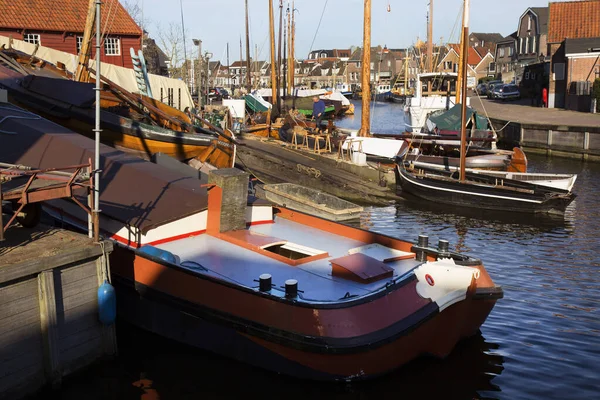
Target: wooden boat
[(558, 181), (477, 190), (311, 201), (70, 103), (482, 191), (209, 267)]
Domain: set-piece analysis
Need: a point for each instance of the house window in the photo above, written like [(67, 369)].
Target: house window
[(372, 65), (510, 51), (534, 45), (32, 38), (492, 67), (529, 23), (521, 49), (79, 40), (501, 52), (112, 46), (527, 44)]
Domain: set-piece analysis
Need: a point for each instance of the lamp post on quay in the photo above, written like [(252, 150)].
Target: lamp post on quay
[(207, 57), (198, 42)]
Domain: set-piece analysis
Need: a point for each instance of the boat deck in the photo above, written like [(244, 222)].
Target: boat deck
[(243, 266)]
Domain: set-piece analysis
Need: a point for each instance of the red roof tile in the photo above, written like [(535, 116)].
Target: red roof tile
[(474, 57), (64, 16), (574, 20)]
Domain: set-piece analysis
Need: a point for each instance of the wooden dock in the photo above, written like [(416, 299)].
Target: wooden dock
[(49, 325), (272, 161)]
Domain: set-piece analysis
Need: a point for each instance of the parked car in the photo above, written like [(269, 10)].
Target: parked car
[(490, 88), (481, 89), (506, 92), (217, 94)]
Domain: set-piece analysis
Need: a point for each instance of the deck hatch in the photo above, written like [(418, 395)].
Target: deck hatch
[(279, 249), (359, 267)]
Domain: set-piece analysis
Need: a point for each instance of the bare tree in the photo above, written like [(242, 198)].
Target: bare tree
[(135, 11), (170, 39)]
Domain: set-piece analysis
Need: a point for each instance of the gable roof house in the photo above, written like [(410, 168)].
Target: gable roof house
[(506, 57), (574, 46), (60, 24), (478, 61)]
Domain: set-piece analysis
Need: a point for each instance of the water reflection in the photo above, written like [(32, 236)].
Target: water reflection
[(152, 367)]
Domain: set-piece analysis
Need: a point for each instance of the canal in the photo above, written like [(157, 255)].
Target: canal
[(542, 341)]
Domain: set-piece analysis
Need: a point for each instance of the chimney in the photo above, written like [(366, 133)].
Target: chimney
[(227, 200)]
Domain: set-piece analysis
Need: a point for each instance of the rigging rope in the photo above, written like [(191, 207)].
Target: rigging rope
[(318, 26)]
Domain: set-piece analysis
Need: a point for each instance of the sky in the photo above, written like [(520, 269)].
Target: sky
[(218, 22)]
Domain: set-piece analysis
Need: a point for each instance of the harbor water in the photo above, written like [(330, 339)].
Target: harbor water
[(542, 341)]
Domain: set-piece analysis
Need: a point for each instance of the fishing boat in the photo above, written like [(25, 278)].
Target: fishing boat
[(312, 201), (213, 268), (482, 166), (71, 104), (477, 190)]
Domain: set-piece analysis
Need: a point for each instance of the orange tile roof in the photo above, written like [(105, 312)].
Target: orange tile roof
[(474, 57), (64, 16), (574, 20)]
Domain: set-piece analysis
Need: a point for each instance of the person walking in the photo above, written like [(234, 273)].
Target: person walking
[(545, 97), (318, 111)]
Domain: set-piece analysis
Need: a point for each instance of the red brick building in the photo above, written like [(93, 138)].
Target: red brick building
[(574, 48), (60, 24)]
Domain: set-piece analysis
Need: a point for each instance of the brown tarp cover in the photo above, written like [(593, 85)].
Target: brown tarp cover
[(132, 190)]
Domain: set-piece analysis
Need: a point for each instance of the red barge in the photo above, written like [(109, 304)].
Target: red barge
[(286, 291)]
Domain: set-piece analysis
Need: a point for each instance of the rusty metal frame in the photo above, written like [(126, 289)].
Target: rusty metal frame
[(66, 183)]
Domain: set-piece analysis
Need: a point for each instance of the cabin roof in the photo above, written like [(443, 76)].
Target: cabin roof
[(133, 191), (65, 16)]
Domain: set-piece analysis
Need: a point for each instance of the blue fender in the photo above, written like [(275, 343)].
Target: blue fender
[(159, 253), (107, 303)]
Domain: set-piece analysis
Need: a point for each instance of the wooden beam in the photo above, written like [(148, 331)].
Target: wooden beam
[(82, 73), (365, 126), (49, 326)]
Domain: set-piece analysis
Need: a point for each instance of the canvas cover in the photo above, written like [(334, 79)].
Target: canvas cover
[(450, 120)]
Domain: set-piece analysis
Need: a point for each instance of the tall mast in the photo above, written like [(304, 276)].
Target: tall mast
[(248, 77), (279, 60), (97, 130), (430, 38), (463, 83), (241, 64), (292, 67), (460, 71), (283, 61), (365, 125), (406, 73), (288, 55), (274, 93)]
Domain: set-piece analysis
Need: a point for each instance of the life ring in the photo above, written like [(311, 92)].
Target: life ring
[(429, 280)]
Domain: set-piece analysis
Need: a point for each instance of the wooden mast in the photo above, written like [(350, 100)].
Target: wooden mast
[(460, 62), (430, 38), (365, 125), (463, 83), (82, 74), (274, 92), (292, 68), (248, 72), (279, 59)]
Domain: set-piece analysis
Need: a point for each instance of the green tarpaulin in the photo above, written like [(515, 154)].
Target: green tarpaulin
[(450, 120), (253, 104)]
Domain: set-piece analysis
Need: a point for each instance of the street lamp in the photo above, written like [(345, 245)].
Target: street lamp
[(198, 42), (207, 57)]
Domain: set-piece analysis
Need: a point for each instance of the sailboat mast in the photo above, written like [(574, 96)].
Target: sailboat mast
[(279, 60), (248, 76), (365, 125), (292, 65), (97, 130), (460, 71), (274, 93), (463, 83), (430, 38), (283, 61)]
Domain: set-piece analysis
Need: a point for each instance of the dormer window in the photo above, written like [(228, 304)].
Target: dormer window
[(529, 23)]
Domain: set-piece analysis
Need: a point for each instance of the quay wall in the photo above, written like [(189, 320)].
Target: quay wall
[(578, 142), (49, 325)]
